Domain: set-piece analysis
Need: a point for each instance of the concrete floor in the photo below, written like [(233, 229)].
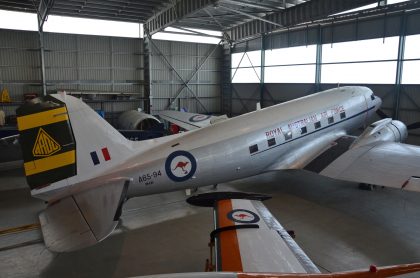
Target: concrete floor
[(339, 226)]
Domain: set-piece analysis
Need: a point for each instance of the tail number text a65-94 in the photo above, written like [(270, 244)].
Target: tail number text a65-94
[(149, 176)]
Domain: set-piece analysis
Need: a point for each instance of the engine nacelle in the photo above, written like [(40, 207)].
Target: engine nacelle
[(386, 130), (135, 120)]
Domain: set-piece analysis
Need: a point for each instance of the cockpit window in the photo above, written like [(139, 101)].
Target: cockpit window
[(372, 97)]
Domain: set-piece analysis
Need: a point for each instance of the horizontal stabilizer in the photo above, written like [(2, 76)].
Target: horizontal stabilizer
[(82, 220)]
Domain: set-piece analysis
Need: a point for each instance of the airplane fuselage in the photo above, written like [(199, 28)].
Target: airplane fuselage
[(283, 136)]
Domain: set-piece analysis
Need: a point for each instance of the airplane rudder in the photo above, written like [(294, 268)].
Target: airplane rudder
[(47, 141)]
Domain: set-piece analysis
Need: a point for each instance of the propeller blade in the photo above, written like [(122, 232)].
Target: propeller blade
[(413, 126), (382, 114)]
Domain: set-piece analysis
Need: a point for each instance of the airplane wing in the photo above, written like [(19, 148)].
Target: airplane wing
[(249, 243), (316, 154), (83, 219), (372, 272), (382, 163), (190, 121), (248, 238)]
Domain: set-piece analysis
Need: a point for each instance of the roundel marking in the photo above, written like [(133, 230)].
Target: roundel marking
[(180, 166), (243, 216), (199, 118)]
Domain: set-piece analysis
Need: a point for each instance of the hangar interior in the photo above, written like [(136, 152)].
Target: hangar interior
[(265, 52), (119, 74)]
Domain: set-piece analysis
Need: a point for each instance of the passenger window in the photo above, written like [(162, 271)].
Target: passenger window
[(253, 148), (342, 115), (287, 134), (271, 142), (317, 125), (303, 130), (330, 120)]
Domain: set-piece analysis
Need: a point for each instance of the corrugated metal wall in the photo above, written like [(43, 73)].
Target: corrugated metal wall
[(19, 65), (101, 67), (185, 59), (104, 68), (93, 63)]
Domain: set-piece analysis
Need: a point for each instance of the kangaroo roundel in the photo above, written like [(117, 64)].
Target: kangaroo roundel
[(180, 166), (199, 118), (243, 216)]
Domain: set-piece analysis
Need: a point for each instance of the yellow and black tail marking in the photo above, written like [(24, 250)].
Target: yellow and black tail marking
[(47, 141)]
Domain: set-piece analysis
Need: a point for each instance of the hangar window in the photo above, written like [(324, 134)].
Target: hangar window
[(411, 60), (253, 148), (330, 120), (271, 142), (303, 130), (317, 125), (290, 65), (366, 61), (246, 67), (342, 115), (290, 74), (359, 73), (361, 51)]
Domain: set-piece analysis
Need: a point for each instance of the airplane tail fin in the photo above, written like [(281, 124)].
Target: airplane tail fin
[(65, 144), (63, 138)]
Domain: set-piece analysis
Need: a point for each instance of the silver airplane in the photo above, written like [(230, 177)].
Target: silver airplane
[(86, 170)]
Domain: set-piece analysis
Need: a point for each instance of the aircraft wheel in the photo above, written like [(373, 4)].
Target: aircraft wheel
[(366, 186)]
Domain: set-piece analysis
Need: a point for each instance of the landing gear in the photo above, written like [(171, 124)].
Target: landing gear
[(189, 191), (368, 186)]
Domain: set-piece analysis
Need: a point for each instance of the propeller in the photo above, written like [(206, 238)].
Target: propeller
[(383, 115), (413, 126)]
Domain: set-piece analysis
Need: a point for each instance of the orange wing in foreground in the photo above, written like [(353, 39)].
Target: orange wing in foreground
[(373, 272)]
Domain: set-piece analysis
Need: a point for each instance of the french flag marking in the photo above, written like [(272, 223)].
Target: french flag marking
[(95, 158), (105, 153)]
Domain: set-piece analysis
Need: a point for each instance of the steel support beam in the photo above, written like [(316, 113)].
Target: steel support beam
[(225, 35), (177, 11), (43, 9), (42, 57), (262, 74), (195, 32), (191, 34), (318, 61), (305, 12), (42, 12), (255, 5), (148, 94), (250, 15), (400, 62), (152, 43), (178, 93), (226, 80)]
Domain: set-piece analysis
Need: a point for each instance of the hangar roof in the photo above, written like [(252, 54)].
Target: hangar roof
[(238, 18)]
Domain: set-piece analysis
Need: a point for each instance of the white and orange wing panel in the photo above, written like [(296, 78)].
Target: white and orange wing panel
[(249, 239)]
